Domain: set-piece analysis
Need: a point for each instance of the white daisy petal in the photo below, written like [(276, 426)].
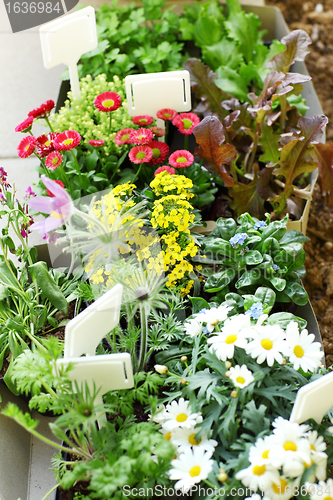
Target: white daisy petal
[(302, 351), (190, 468), (241, 376), (179, 414)]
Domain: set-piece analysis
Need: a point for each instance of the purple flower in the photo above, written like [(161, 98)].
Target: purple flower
[(275, 267), (59, 206), (30, 192)]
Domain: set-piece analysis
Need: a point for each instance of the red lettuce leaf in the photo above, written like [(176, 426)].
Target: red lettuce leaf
[(296, 44), (325, 170)]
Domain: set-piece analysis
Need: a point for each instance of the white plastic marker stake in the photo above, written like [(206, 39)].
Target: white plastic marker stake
[(87, 329), (108, 372), (66, 39), (313, 400), (147, 93)]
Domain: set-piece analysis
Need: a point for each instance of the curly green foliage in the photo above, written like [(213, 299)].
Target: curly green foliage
[(88, 121)]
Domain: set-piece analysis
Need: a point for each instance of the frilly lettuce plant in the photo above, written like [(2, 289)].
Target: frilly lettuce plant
[(242, 257)]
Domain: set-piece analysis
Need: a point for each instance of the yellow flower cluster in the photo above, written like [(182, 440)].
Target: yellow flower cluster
[(171, 217), (179, 185)]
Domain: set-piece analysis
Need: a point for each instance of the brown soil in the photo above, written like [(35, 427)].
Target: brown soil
[(316, 17)]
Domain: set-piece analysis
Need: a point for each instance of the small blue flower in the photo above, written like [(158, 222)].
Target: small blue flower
[(238, 239), (205, 330), (256, 310), (275, 267), (202, 311), (259, 224)]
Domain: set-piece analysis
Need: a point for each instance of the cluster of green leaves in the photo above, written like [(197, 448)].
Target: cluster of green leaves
[(133, 40), (97, 168), (33, 298), (267, 256), (242, 142), (231, 44), (122, 452)]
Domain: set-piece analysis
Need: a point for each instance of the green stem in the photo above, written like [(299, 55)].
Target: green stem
[(233, 172), (110, 115), (49, 123), (35, 341), (166, 131), (77, 167), (49, 492), (100, 159), (43, 163), (65, 179), (144, 338), (137, 173)]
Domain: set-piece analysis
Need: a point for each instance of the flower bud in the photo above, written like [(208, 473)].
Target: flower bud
[(228, 365), (183, 359), (227, 374), (234, 394), (161, 369), (222, 476), (284, 361), (183, 381)]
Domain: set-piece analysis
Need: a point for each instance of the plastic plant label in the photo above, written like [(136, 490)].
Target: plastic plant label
[(313, 400), (108, 372), (87, 329), (66, 39), (25, 14), (147, 93)]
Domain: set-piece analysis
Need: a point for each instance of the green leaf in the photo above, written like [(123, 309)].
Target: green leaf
[(293, 236), (253, 257), (198, 303), (254, 418), (220, 280), (230, 81), (283, 319), (243, 28), (249, 278), (225, 53), (48, 286), (296, 293), (226, 227), (278, 283), (267, 297), (269, 141)]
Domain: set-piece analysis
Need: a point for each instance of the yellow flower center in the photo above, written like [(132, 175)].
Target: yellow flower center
[(289, 446), (143, 120), (48, 143), (67, 142), (195, 471), (27, 147), (267, 344), (167, 436), (231, 339), (328, 498), (141, 155), (181, 159), (56, 215), (187, 124), (108, 103), (156, 153), (55, 160), (265, 454), (193, 441), (259, 470), (298, 351), (181, 417), (280, 489), (125, 137), (240, 380), (312, 447), (167, 115)]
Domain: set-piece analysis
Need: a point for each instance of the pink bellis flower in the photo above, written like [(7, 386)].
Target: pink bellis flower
[(59, 207)]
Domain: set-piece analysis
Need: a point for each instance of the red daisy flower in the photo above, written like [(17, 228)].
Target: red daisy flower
[(26, 146), (165, 168), (185, 122), (107, 101), (25, 126), (140, 154), (160, 152), (166, 114), (43, 110), (141, 136), (181, 158), (142, 120), (122, 137), (157, 131), (44, 144), (96, 143), (53, 160), (67, 140), (49, 193)]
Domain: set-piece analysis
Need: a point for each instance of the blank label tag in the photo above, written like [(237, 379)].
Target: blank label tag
[(313, 400), (147, 93), (87, 329)]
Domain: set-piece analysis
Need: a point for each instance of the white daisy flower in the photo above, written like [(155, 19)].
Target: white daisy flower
[(321, 491), (302, 351), (241, 376), (191, 467), (160, 415), (179, 414), (283, 490), (292, 448), (321, 467), (212, 317), (258, 476), (317, 443), (268, 344), (185, 437), (289, 429), (260, 451), (193, 327), (223, 344)]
